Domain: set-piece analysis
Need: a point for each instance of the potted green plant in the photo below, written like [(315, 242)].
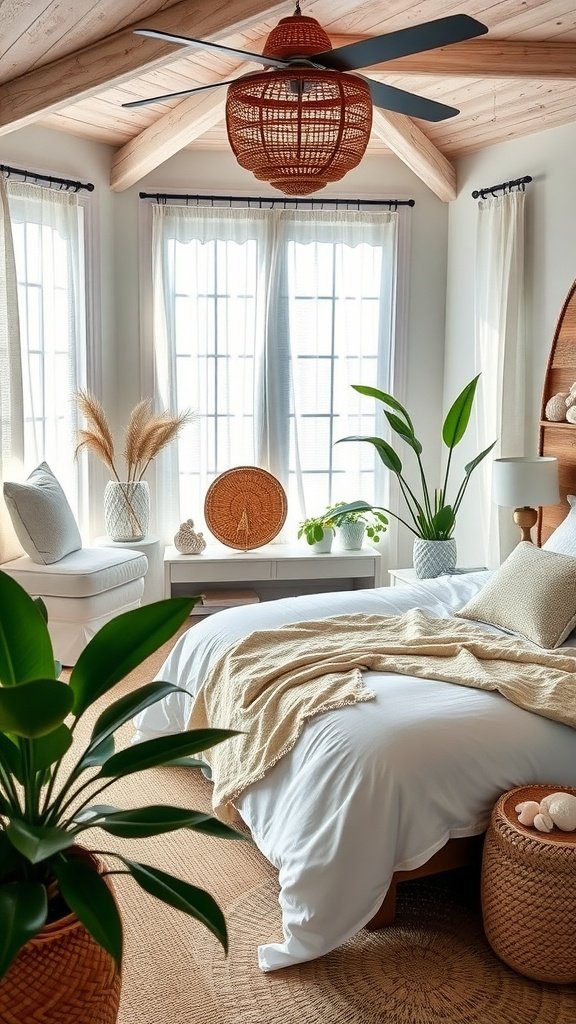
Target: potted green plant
[(319, 533), (58, 916), (352, 526), (431, 511)]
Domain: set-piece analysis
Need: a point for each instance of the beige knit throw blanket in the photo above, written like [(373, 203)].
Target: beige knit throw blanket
[(268, 684)]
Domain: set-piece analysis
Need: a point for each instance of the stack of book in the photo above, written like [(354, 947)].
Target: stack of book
[(228, 598)]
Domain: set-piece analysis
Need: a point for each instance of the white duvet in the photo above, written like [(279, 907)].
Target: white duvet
[(373, 788)]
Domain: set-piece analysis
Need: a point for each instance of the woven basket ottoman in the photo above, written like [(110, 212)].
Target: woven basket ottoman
[(529, 891)]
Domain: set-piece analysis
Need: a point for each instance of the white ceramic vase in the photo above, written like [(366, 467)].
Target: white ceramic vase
[(324, 546), (433, 557), (126, 510), (351, 535)]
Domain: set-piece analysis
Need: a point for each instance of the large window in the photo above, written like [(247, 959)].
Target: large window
[(262, 322), (48, 235)]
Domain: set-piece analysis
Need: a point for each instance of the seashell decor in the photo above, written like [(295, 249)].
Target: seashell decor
[(562, 407), (187, 541)]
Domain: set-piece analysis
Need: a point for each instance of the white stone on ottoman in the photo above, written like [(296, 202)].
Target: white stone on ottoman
[(82, 591)]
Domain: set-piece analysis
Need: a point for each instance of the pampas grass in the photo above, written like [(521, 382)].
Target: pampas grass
[(146, 435)]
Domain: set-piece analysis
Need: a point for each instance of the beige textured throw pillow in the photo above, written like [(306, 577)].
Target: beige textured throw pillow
[(533, 593), (41, 516)]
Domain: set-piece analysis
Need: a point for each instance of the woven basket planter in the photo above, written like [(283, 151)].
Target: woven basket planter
[(529, 892), (62, 976), (433, 557)]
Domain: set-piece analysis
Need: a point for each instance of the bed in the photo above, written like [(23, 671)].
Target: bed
[(376, 789)]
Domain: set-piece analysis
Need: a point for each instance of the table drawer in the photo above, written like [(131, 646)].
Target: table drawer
[(324, 567), (219, 572)]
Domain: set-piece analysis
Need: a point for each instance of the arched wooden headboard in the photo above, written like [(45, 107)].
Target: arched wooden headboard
[(559, 439)]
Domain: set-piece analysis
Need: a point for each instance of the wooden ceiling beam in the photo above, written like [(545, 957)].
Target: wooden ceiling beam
[(123, 55), (483, 58), (170, 133), (409, 143)]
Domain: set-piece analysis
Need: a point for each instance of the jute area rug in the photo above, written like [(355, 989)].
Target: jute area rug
[(432, 966)]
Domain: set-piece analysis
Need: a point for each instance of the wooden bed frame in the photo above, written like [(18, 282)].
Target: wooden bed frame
[(457, 853), (558, 440)]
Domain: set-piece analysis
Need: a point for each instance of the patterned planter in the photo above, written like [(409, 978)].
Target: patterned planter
[(126, 510), (351, 535), (433, 557)]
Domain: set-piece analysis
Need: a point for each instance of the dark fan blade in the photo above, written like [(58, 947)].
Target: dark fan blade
[(427, 36), (390, 98), (174, 95), (203, 44)]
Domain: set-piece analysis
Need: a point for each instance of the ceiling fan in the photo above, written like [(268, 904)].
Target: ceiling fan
[(306, 120)]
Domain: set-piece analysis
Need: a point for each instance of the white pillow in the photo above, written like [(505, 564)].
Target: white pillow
[(563, 539), (42, 518), (533, 593)]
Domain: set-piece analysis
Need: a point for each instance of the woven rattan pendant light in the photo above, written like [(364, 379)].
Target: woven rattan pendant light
[(298, 128)]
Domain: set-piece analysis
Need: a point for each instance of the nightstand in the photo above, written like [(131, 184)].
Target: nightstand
[(399, 577)]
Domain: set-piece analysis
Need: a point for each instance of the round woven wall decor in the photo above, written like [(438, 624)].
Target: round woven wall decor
[(245, 507)]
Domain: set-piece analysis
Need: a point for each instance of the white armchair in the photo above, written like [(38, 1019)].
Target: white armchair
[(82, 588)]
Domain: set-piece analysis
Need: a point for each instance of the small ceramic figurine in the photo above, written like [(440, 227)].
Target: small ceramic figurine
[(187, 541)]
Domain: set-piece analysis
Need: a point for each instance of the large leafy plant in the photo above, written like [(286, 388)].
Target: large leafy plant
[(431, 511), (48, 788)]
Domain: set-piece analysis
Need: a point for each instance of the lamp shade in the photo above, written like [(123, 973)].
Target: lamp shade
[(301, 127), (526, 481)]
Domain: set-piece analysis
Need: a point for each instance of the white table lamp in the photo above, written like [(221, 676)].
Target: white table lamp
[(525, 484)]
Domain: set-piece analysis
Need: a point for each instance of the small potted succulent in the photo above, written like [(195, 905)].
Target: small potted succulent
[(352, 526), (319, 533)]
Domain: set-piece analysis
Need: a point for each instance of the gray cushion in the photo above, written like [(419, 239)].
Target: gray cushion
[(533, 593), (42, 518)]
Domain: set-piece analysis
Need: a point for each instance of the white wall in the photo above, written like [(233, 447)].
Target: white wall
[(550, 157), (118, 220)]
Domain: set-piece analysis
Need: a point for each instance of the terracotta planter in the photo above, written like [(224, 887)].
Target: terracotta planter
[(62, 976)]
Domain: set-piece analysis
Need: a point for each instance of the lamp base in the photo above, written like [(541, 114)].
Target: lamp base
[(525, 517)]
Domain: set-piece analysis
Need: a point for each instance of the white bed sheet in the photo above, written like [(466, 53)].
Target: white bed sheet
[(373, 788)]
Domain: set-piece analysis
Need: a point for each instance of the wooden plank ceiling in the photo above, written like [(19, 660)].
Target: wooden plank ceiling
[(70, 64)]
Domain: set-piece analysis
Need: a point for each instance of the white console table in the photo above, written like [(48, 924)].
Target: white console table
[(275, 570)]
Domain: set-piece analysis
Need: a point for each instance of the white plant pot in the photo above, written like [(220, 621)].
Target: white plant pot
[(433, 557), (351, 535), (324, 546), (126, 510)]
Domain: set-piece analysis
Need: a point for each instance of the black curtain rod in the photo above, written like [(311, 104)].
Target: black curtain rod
[(163, 197), (491, 189), (65, 183)]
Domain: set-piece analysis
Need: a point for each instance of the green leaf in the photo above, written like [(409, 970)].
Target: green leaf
[(94, 811), (96, 755), (10, 859), (51, 747), (37, 842), (404, 431), (476, 462), (385, 451), (23, 912), (386, 399), (33, 709), (88, 896), (124, 709), (443, 521), (156, 752), (122, 644), (25, 646), (159, 818), (10, 757), (41, 608), (181, 895), (458, 416)]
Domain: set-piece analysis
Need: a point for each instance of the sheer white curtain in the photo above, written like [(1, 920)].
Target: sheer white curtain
[(262, 320), (329, 325), (47, 228), (500, 354), (11, 399)]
